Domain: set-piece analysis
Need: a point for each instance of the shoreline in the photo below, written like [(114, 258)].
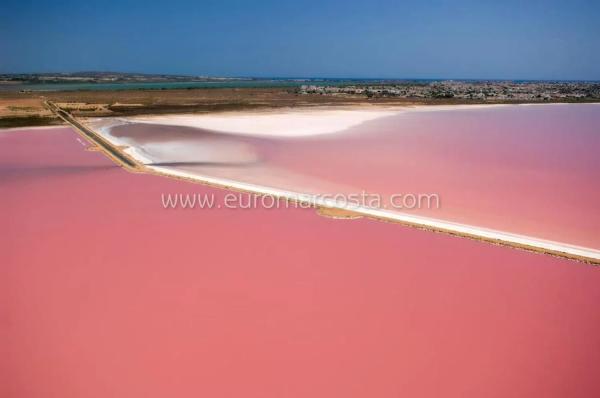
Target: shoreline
[(145, 111), (45, 127)]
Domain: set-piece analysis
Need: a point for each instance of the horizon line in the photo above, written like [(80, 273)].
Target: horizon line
[(275, 77)]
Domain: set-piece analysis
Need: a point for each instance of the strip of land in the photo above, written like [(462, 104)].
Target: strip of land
[(106, 146), (559, 249)]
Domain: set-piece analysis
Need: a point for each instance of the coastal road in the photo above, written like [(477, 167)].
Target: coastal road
[(113, 152)]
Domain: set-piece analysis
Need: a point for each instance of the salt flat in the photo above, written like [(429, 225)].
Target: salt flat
[(287, 123)]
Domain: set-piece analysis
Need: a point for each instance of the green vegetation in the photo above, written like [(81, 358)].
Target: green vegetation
[(26, 121)]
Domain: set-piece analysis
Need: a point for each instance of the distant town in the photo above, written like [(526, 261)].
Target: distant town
[(452, 91), (24, 97), (493, 91)]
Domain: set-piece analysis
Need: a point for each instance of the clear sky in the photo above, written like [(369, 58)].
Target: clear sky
[(526, 39)]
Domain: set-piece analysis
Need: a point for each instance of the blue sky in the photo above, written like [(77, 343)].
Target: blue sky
[(525, 39)]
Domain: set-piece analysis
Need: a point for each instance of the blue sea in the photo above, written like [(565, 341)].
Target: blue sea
[(241, 83)]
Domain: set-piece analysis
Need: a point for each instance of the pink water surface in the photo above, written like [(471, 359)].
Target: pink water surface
[(531, 170), (103, 293)]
